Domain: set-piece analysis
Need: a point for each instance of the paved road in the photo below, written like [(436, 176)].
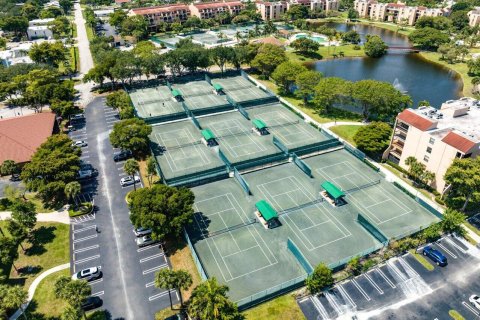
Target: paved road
[(403, 289), (127, 285)]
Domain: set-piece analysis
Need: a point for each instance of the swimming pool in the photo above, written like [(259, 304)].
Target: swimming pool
[(316, 38)]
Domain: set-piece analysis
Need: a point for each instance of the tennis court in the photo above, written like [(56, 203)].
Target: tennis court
[(236, 139), (179, 151), (199, 97), (241, 90), (155, 103), (388, 208)]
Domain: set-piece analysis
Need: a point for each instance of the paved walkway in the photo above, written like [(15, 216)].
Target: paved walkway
[(342, 123), (34, 285), (57, 216)]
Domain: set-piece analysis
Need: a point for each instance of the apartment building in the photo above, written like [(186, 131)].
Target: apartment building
[(209, 10), (275, 10), (166, 13), (436, 137), (395, 12), (474, 17)]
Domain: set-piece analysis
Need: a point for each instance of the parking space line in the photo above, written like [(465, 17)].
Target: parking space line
[(391, 284), (86, 249), (320, 308), (151, 257), (455, 245), (365, 295), (373, 283), (155, 245), (469, 307), (100, 293), (122, 174), (405, 264), (84, 229), (87, 259), (450, 253), (84, 157), (96, 281), (346, 295), (155, 268), (150, 284), (335, 305), (162, 294), (85, 238)]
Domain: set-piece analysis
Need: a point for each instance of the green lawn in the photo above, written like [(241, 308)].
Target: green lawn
[(326, 53), (346, 132), (454, 314), (39, 207), (469, 226), (50, 249), (282, 308)]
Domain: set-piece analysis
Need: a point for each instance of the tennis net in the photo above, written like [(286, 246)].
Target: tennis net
[(286, 124), (367, 185), (179, 146), (300, 207), (145, 102), (237, 132), (228, 229)]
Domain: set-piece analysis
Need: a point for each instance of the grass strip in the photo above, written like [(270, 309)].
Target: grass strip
[(454, 314), (282, 308), (420, 258)]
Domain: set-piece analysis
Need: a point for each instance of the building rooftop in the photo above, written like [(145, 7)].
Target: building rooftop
[(160, 9)]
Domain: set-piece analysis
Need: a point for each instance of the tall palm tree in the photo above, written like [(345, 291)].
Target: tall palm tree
[(15, 298), (72, 189), (72, 291), (171, 279), (131, 167), (238, 35)]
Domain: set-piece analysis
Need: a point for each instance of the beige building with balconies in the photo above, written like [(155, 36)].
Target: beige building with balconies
[(474, 17), (436, 137), (275, 10), (208, 10), (168, 13)]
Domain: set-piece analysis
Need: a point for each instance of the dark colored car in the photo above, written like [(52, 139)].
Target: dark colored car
[(122, 155), (15, 177), (435, 255), (91, 303)]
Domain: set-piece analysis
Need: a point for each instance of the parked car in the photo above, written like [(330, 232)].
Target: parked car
[(435, 255), (140, 232), (88, 274), (122, 155), (86, 174), (15, 177), (475, 300), (80, 143), (78, 116), (86, 166), (91, 303), (127, 181), (145, 241)]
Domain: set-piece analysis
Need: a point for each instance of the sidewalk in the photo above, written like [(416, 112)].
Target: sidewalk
[(58, 216), (342, 123)]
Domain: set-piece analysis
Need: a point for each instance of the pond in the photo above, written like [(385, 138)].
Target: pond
[(408, 72)]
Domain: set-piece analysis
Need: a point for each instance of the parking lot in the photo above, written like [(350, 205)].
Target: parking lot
[(402, 288), (105, 237)]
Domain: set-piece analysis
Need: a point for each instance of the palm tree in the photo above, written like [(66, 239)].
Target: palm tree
[(171, 279), (151, 169), (15, 298), (238, 35), (72, 291), (131, 167), (72, 189), (209, 301)]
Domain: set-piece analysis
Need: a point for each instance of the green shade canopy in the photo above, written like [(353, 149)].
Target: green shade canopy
[(176, 93), (207, 134), (259, 124), (332, 190), (266, 210), (217, 87)]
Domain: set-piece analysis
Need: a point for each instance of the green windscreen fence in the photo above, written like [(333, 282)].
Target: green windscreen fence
[(224, 159), (374, 231), (184, 105), (280, 145), (207, 78), (357, 153), (169, 85), (299, 256), (241, 181), (302, 165), (197, 261), (243, 112), (230, 100)]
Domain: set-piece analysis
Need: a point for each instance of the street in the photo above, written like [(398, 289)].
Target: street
[(105, 237)]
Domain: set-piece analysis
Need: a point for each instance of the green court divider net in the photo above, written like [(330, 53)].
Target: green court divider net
[(194, 119), (243, 112), (375, 232), (169, 85), (299, 256), (197, 261), (184, 105), (280, 145), (357, 153), (242, 181), (230, 100), (302, 165), (224, 159), (207, 78)]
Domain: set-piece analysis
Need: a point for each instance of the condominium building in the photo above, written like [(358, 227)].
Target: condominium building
[(474, 17), (167, 13), (207, 10), (395, 12), (275, 10), (436, 137)]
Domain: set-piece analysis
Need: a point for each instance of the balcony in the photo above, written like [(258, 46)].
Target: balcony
[(396, 152), (398, 144), (402, 127), (399, 136)]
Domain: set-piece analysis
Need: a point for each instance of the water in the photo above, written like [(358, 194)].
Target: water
[(408, 72)]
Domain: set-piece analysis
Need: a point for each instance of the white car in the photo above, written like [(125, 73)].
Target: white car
[(80, 143), (145, 241), (140, 232), (89, 274), (475, 300), (127, 181)]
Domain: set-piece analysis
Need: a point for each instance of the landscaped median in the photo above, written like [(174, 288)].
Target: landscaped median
[(421, 259), (81, 209), (282, 308)]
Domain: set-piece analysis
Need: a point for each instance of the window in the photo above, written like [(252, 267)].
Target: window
[(432, 141), (426, 158), (429, 149)]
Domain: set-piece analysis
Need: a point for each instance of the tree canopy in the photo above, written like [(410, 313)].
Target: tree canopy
[(428, 38), (374, 46), (373, 138), (305, 45), (131, 134), (321, 278), (463, 176), (269, 56), (306, 82), (286, 73)]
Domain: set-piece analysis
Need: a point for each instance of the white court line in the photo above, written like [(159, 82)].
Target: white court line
[(346, 295), (386, 278), (469, 307), (450, 253), (361, 290), (85, 238), (87, 259), (151, 257), (373, 283), (155, 268), (84, 229), (96, 294), (86, 249)]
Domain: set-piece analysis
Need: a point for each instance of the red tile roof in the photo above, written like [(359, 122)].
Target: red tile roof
[(21, 136), (415, 120), (123, 1), (160, 9), (208, 5), (458, 141)]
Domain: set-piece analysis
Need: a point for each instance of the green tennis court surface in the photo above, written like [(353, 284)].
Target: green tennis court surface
[(200, 96), (251, 259), (151, 103), (241, 90)]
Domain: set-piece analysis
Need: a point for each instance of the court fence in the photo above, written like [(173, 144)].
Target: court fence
[(263, 162), (243, 112), (302, 165), (374, 231), (242, 181), (169, 85), (316, 147), (207, 78), (436, 212), (225, 160), (198, 178), (196, 259), (299, 256), (280, 145), (357, 153)]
